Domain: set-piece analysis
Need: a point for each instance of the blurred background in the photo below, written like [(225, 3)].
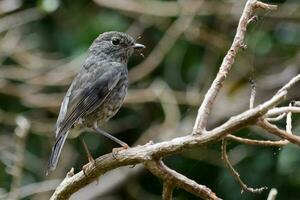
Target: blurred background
[(43, 44)]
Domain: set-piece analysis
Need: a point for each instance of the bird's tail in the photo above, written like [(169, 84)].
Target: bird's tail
[(56, 150)]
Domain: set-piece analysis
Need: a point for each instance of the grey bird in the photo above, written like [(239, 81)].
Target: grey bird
[(98, 90)]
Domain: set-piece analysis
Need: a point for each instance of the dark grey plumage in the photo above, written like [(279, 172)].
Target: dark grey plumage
[(98, 90)]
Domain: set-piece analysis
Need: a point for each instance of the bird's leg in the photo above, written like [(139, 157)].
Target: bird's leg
[(102, 132), (115, 150), (91, 160)]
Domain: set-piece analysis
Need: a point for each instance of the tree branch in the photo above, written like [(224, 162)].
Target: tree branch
[(159, 169), (167, 191), (266, 143), (280, 133), (235, 173), (275, 119), (238, 42), (282, 110), (149, 151), (252, 94)]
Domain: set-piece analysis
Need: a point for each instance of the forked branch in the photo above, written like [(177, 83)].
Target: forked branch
[(237, 44), (168, 175)]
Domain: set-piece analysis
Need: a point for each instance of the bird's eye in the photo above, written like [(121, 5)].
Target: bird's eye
[(115, 41)]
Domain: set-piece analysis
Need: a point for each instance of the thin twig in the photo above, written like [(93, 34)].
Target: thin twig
[(281, 110), (289, 122), (235, 173), (279, 143), (252, 94), (290, 84), (271, 128), (275, 119)]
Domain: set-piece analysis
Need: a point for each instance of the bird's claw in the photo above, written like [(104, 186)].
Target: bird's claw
[(88, 167), (116, 150)]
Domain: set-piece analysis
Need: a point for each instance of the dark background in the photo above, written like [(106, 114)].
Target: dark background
[(43, 44)]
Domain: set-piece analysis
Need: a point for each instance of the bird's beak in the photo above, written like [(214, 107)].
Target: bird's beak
[(138, 46)]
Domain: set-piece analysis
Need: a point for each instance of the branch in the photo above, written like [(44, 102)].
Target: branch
[(280, 133), (265, 124), (282, 110), (266, 143), (252, 93), (288, 126), (275, 119), (167, 191), (149, 151), (159, 169), (235, 173), (290, 84), (238, 43)]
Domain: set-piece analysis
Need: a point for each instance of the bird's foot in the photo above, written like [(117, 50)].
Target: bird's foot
[(115, 151), (89, 166)]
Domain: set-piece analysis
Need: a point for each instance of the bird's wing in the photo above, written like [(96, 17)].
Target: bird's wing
[(86, 99), (63, 109)]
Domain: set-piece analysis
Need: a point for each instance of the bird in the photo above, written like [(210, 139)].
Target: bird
[(98, 90)]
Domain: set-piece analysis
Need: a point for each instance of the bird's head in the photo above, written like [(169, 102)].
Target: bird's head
[(114, 46)]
